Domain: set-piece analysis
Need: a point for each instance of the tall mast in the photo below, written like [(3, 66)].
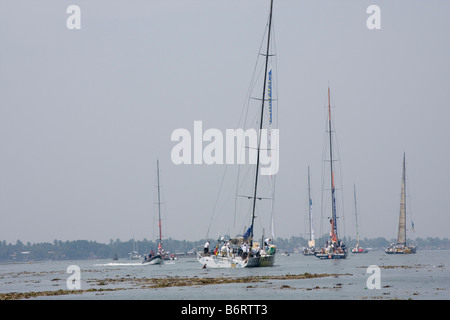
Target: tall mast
[(159, 202), (261, 123), (402, 220), (356, 217), (333, 200), (309, 208)]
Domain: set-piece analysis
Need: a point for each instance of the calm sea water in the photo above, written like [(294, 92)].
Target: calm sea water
[(424, 275)]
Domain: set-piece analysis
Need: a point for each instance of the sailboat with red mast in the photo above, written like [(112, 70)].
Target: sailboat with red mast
[(334, 248)]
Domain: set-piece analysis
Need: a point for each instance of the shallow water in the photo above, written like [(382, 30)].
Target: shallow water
[(424, 275)]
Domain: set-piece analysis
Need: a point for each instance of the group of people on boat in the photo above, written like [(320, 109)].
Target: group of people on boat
[(334, 247), (161, 252), (150, 255), (400, 248), (239, 247), (225, 250)]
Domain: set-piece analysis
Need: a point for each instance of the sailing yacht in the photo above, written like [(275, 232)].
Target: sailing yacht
[(358, 248), (160, 255), (242, 251), (401, 247), (134, 254), (334, 248), (311, 248)]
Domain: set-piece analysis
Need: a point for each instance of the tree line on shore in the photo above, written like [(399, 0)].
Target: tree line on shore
[(85, 249)]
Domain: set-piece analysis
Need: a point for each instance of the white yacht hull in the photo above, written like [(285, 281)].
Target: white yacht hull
[(219, 261)]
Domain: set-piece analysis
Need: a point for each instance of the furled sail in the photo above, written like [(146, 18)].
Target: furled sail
[(402, 220)]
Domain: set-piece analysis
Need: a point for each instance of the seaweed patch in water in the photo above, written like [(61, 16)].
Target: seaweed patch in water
[(154, 283)]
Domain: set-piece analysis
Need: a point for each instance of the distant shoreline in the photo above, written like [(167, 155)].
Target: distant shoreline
[(85, 249)]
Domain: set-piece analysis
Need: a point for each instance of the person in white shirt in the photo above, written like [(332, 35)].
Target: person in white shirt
[(206, 248), (267, 243)]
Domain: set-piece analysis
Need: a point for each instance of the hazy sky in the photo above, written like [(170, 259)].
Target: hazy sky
[(84, 114)]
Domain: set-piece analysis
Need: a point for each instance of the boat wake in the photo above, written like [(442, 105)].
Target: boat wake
[(115, 264)]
